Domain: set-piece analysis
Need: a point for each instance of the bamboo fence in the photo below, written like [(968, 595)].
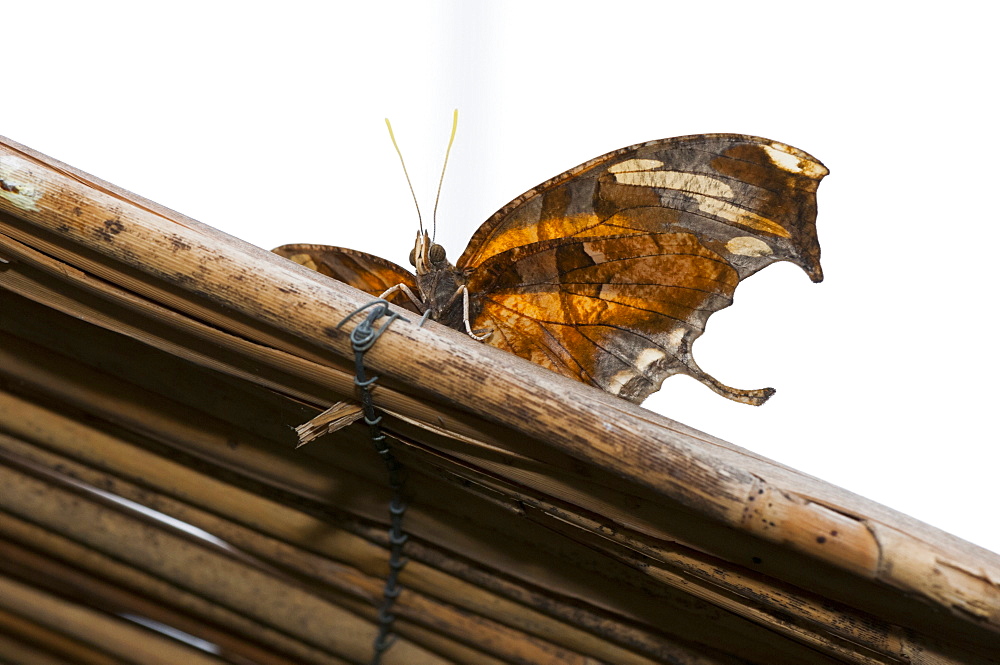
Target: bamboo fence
[(152, 371)]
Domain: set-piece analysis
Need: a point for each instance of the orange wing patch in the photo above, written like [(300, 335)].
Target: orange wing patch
[(371, 274), (617, 312)]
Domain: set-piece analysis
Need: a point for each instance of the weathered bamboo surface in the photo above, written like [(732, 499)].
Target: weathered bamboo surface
[(153, 358)]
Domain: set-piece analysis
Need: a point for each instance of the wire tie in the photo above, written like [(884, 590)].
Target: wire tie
[(365, 383)]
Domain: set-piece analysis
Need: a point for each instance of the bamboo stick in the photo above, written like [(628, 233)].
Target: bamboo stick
[(36, 644), (111, 634), (57, 577), (16, 652), (170, 605)]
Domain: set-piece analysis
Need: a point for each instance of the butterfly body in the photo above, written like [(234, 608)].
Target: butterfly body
[(609, 272), (439, 283)]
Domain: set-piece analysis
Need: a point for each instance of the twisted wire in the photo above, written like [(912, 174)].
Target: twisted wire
[(363, 337)]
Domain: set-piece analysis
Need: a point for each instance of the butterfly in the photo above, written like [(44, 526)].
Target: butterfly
[(608, 272)]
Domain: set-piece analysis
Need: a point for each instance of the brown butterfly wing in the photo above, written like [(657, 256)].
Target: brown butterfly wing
[(608, 273), (366, 272)]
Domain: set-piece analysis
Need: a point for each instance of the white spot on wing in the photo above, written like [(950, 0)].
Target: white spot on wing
[(675, 338), (635, 165), (737, 215), (648, 357), (597, 255), (749, 246), (686, 182), (618, 381), (789, 159), (609, 291)]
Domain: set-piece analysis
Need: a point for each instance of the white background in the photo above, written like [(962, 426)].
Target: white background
[(265, 120)]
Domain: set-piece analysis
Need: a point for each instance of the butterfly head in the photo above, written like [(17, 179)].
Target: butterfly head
[(426, 255)]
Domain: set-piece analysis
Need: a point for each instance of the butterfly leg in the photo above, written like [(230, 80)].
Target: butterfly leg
[(465, 310), (403, 288)]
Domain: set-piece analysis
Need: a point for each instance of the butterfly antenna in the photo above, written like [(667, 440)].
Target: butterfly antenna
[(454, 128), (395, 145)]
